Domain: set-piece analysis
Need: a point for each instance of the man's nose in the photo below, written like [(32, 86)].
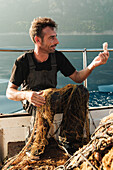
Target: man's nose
[(57, 42)]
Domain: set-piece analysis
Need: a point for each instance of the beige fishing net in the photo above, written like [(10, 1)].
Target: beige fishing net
[(41, 152), (98, 153)]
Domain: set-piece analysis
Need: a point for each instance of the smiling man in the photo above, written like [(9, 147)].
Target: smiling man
[(36, 70)]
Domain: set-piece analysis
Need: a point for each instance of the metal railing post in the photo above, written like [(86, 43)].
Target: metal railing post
[(85, 64)]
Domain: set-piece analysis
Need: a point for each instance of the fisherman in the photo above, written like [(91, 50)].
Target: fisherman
[(37, 69)]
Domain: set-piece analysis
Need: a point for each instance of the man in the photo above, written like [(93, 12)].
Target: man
[(44, 36), (37, 70)]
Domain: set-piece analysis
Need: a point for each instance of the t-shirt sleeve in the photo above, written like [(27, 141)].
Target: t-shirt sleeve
[(16, 75), (18, 72), (64, 65)]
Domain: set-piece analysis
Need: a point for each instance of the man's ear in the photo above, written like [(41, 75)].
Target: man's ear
[(37, 39)]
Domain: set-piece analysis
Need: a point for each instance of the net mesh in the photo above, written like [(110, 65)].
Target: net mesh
[(98, 153), (72, 101)]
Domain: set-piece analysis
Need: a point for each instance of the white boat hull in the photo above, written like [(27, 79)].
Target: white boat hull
[(14, 127)]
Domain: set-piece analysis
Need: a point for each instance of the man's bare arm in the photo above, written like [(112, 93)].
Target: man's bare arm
[(80, 76), (33, 97)]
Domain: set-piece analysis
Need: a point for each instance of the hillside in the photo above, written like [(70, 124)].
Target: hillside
[(71, 15)]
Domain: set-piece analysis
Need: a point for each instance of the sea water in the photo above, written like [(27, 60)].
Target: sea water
[(103, 75)]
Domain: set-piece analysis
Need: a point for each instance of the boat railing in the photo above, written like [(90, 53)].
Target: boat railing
[(83, 51)]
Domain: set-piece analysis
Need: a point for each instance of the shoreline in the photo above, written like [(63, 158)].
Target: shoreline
[(87, 33), (61, 33)]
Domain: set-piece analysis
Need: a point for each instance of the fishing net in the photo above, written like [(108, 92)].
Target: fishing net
[(98, 153), (41, 152)]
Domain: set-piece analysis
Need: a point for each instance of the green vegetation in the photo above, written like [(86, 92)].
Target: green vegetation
[(72, 16)]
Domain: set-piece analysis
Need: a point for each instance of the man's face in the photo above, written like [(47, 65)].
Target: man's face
[(50, 41)]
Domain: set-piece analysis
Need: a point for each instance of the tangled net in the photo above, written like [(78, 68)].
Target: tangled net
[(98, 153), (41, 152)]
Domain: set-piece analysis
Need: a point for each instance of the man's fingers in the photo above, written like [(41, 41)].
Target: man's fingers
[(36, 98), (38, 102), (104, 57), (40, 92), (39, 98)]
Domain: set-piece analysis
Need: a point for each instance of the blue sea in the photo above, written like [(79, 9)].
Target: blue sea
[(103, 75)]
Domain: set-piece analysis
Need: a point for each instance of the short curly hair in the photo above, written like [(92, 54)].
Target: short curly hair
[(38, 24)]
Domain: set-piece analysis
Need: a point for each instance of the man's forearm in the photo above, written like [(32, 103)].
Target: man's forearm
[(80, 76), (33, 97), (14, 94), (83, 74)]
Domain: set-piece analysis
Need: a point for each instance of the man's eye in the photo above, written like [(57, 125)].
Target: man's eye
[(52, 38)]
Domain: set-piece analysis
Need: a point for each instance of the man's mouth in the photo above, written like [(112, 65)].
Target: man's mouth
[(54, 46)]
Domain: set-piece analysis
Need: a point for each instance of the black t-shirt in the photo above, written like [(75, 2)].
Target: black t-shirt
[(21, 67)]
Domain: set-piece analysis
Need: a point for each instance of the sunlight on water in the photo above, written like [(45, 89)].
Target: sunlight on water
[(98, 99)]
